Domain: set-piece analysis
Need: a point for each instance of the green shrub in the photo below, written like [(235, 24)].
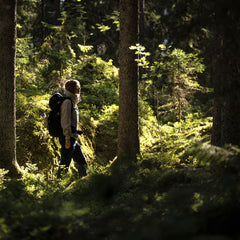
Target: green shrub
[(99, 81), (34, 144), (3, 178), (106, 134), (171, 142)]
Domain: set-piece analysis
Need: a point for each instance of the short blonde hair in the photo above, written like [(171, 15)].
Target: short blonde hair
[(73, 86)]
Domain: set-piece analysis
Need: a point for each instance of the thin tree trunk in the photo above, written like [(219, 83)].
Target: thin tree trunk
[(128, 135), (7, 86), (179, 109)]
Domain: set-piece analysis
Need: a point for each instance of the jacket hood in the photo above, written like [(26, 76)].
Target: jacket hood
[(75, 98)]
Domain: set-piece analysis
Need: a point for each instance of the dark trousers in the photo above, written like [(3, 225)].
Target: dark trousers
[(75, 153)]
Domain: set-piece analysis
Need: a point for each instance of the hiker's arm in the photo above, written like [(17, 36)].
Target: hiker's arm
[(66, 111)]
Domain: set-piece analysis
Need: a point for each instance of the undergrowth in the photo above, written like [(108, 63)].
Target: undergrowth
[(142, 200)]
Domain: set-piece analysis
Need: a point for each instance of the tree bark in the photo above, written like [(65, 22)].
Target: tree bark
[(7, 86), (141, 6), (226, 127), (128, 135)]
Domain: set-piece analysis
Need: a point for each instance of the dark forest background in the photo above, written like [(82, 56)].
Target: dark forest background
[(184, 184)]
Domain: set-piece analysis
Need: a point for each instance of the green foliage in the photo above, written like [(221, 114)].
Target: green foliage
[(25, 71), (173, 79), (34, 144), (26, 17), (142, 55), (3, 178), (172, 142), (99, 80), (87, 125), (148, 126), (72, 17), (103, 28), (155, 200), (57, 49), (106, 134), (115, 18), (215, 157)]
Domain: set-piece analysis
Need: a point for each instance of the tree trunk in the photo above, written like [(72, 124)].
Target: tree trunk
[(226, 127), (141, 5), (7, 86), (128, 135)]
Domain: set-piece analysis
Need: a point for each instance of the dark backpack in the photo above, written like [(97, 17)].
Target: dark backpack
[(54, 117)]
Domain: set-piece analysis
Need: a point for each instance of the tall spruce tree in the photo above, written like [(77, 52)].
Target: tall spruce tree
[(128, 135), (7, 86)]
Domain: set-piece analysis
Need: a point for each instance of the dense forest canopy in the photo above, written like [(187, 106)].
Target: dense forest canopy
[(160, 86)]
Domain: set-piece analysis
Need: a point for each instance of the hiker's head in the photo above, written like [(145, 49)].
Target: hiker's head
[(73, 86)]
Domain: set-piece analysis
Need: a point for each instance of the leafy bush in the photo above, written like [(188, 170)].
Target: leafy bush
[(172, 141), (99, 80), (106, 134), (34, 144)]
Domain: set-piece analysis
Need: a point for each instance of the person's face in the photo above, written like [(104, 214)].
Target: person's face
[(77, 90)]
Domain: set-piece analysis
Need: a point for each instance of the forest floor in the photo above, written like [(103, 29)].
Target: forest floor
[(143, 200)]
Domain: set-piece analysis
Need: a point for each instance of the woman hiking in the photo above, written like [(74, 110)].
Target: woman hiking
[(70, 148)]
